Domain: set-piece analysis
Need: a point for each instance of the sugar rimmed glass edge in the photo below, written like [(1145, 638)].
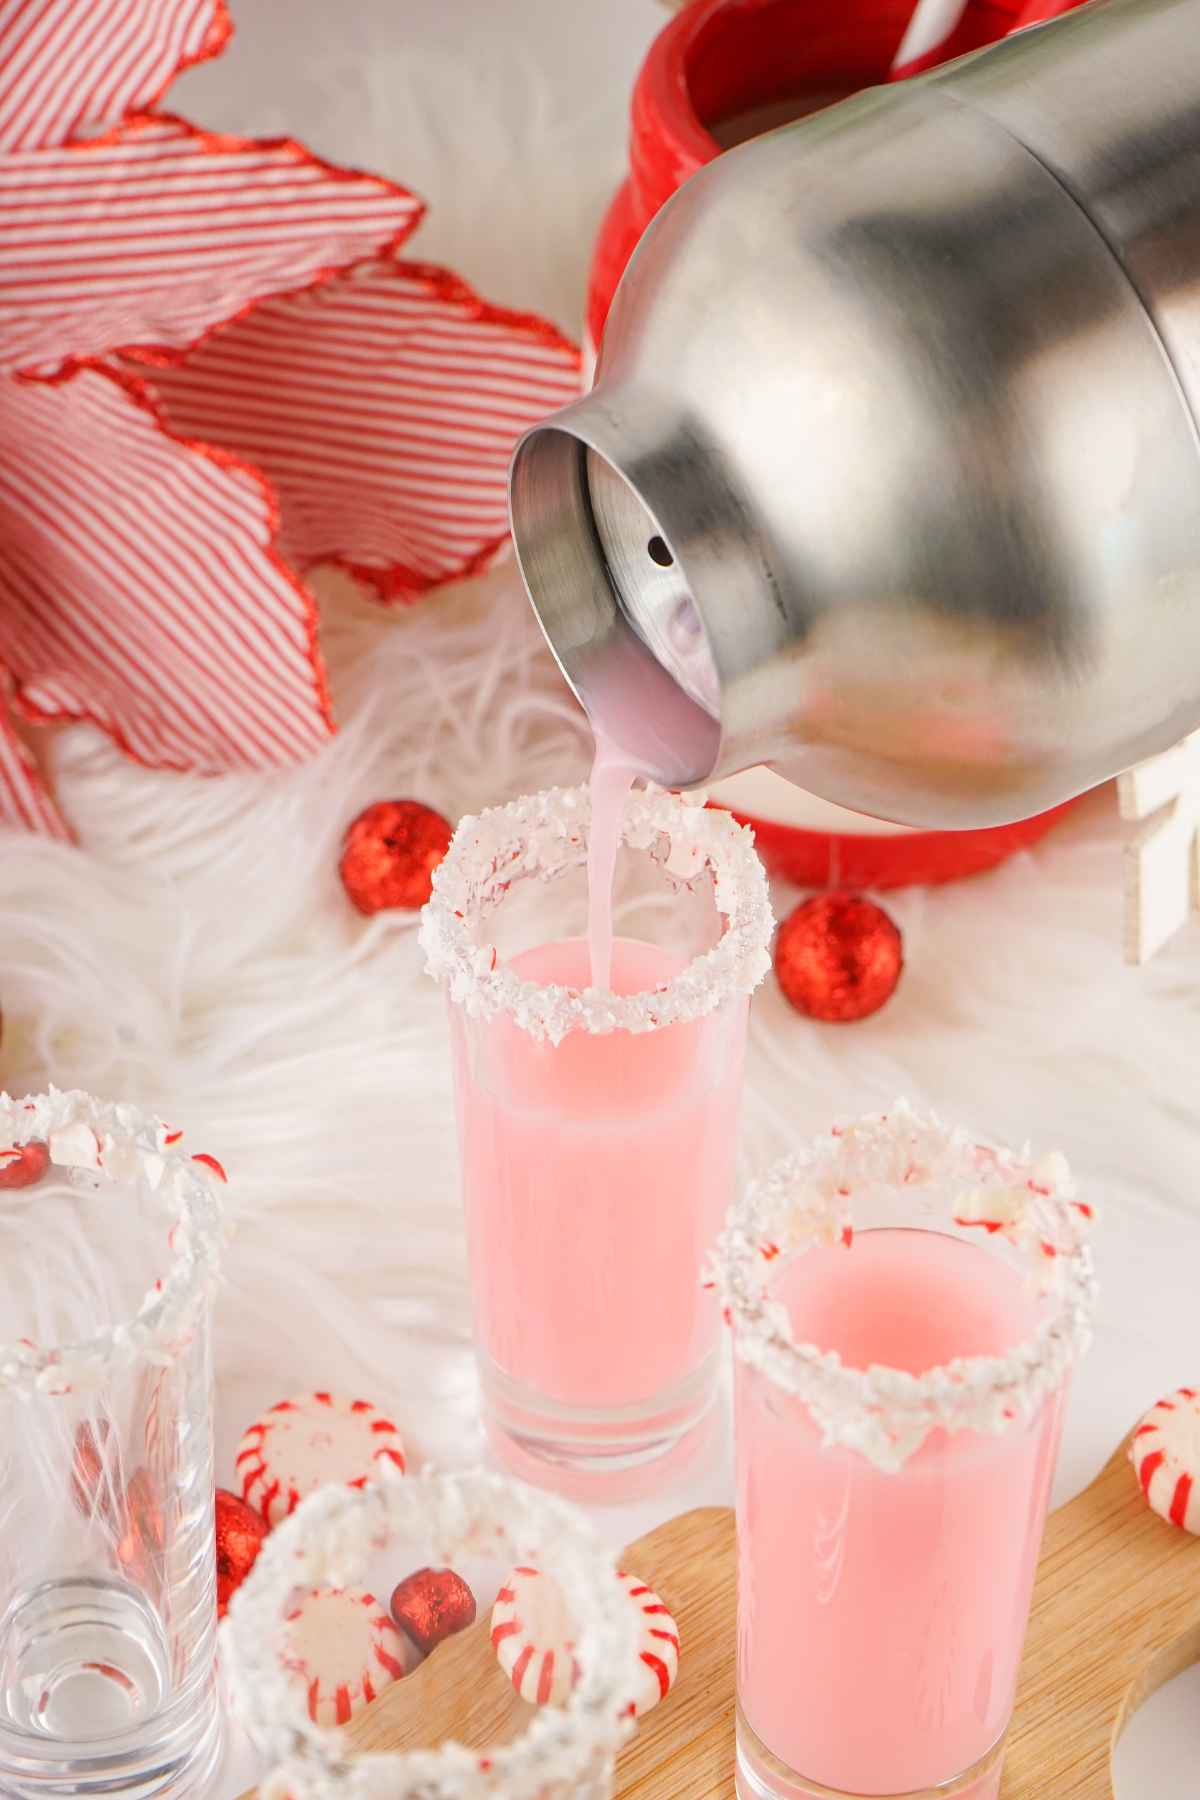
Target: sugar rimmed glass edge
[(328, 1541), (545, 834), (806, 1200), (128, 1144)]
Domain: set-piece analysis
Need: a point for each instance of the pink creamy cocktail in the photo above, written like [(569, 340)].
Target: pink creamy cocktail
[(906, 1306), (596, 1176), (879, 1647), (597, 1127)]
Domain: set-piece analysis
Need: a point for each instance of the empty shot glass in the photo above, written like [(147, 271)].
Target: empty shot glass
[(907, 1304), (564, 1752), (109, 1243)]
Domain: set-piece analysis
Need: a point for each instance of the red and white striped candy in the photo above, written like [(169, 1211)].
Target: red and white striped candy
[(658, 1645), (341, 1644), (302, 1444), (529, 1635), (1165, 1453)]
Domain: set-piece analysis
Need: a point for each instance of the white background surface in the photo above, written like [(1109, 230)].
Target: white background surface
[(308, 1049)]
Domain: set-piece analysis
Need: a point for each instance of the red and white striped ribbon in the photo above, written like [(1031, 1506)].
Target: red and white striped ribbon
[(139, 585), (24, 801), (141, 581), (154, 234), (68, 66), (384, 408)]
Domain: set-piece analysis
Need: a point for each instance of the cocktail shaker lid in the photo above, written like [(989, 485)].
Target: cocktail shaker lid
[(608, 574), (889, 478)]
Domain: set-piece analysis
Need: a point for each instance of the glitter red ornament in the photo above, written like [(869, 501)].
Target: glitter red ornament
[(390, 852), (432, 1604), (838, 957), (21, 1168), (240, 1534)]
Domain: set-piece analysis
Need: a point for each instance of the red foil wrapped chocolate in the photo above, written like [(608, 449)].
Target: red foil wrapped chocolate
[(432, 1604), (240, 1535)]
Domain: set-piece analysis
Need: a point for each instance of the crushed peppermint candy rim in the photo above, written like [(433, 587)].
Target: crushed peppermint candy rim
[(808, 1199), (93, 1142), (543, 835), (328, 1541)]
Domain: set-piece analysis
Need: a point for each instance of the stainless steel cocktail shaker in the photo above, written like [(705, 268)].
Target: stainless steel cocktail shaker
[(891, 475)]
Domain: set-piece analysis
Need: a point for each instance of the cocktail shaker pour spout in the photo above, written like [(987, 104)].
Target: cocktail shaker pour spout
[(891, 476)]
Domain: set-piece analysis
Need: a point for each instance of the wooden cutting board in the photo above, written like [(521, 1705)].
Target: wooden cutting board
[(1116, 1613)]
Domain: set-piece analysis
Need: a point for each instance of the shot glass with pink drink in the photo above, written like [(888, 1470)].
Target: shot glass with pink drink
[(906, 1304), (597, 1126)]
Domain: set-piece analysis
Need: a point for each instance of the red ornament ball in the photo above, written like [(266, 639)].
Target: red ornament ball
[(240, 1534), (21, 1168), (432, 1604), (390, 853), (838, 957)]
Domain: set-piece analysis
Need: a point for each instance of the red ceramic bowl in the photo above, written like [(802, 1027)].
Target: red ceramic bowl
[(722, 71)]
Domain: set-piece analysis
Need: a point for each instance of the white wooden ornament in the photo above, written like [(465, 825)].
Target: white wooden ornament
[(1162, 860)]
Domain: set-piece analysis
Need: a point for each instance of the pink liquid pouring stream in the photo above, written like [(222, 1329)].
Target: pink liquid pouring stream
[(612, 778), (882, 1614)]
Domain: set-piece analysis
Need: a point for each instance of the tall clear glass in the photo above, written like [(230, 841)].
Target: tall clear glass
[(597, 1129), (109, 1241), (334, 1540), (906, 1306)]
